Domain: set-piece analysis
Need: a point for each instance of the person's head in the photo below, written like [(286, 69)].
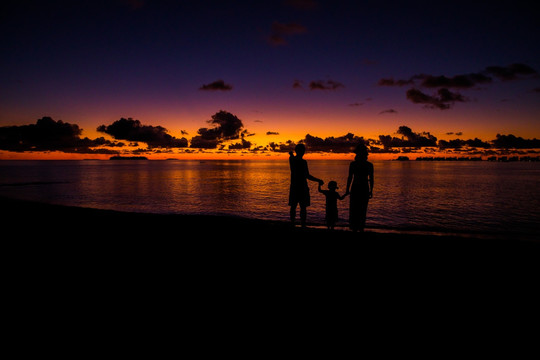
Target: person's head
[(300, 150), (332, 185), (361, 152)]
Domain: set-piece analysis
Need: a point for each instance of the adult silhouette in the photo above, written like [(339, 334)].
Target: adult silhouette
[(361, 178), (299, 190)]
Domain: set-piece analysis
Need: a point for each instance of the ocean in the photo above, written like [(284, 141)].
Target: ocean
[(488, 198)]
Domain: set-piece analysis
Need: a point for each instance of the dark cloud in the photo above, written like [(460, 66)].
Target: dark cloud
[(50, 135), (458, 143), (282, 147), (356, 104), (392, 82), (133, 130), (341, 144), (408, 139), (510, 72), (409, 142), (272, 133), (443, 100), (458, 81), (430, 81), (218, 85), (463, 81), (325, 85), (297, 84), (319, 85), (241, 145), (388, 111), (281, 31), (226, 126), (514, 142)]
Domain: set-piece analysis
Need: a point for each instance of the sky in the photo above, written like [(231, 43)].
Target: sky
[(175, 79)]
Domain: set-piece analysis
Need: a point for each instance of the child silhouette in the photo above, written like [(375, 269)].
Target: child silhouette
[(331, 203)]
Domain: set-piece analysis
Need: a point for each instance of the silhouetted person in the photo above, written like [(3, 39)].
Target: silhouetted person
[(331, 204), (299, 191), (361, 177)]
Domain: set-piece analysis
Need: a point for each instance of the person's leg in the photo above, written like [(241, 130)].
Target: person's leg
[(353, 213), (363, 213), (303, 215), (293, 213)]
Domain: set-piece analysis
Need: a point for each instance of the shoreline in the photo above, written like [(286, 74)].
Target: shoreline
[(20, 212), (39, 237), (341, 229)]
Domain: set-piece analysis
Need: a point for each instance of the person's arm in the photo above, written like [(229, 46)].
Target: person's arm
[(343, 197), (312, 178), (371, 181), (349, 179), (320, 190)]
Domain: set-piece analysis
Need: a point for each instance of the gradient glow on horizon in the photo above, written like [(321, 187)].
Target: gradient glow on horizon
[(92, 64)]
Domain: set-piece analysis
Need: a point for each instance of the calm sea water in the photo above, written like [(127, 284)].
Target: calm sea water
[(469, 197)]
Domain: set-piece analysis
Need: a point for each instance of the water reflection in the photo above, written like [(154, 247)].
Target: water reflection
[(452, 195)]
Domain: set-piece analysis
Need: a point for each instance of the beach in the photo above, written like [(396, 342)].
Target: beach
[(102, 265), (39, 224)]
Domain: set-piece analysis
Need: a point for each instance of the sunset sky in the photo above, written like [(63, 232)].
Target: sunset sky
[(284, 69)]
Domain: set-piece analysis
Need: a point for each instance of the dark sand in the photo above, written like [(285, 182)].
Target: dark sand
[(33, 222), (109, 274)]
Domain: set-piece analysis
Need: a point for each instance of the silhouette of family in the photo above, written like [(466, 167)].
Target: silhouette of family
[(359, 187)]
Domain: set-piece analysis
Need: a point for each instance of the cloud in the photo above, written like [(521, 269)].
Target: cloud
[(389, 111), (241, 145), (319, 85), (514, 142), (340, 144), (409, 142), (443, 100), (458, 143), (225, 126), (356, 104), (297, 84), (325, 85), (409, 139), (510, 72), (458, 81), (218, 85), (430, 81), (133, 130), (463, 81), (50, 135), (281, 31), (392, 82), (272, 133)]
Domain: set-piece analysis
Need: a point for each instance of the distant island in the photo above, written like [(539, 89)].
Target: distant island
[(128, 158), (491, 158)]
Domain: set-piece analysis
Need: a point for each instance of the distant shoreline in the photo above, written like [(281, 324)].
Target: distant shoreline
[(128, 158)]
